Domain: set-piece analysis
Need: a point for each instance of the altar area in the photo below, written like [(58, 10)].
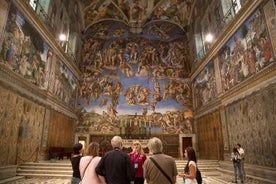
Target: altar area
[(173, 144)]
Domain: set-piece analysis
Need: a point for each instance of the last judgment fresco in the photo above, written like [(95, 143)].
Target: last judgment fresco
[(135, 72), (135, 87)]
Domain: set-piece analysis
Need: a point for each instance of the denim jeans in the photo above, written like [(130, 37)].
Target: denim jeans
[(242, 168), (237, 168), (75, 180)]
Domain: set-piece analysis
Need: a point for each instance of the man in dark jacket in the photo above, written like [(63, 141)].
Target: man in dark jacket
[(115, 166)]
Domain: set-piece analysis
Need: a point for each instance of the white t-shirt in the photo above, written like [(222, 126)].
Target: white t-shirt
[(189, 180), (241, 152)]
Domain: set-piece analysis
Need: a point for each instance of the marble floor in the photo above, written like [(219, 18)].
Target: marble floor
[(208, 178)]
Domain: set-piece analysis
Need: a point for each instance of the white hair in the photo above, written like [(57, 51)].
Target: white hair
[(116, 141), (155, 145)]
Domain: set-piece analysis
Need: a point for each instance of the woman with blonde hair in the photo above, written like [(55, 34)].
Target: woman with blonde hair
[(138, 157), (88, 164)]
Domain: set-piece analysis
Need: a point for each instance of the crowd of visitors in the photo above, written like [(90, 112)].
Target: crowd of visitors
[(118, 167)]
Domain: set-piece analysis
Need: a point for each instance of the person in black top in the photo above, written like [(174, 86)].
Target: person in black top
[(75, 161), (115, 165)]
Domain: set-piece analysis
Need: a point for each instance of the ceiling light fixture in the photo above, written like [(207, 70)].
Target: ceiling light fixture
[(209, 37), (62, 37)]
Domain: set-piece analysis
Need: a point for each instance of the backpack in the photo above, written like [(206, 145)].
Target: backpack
[(198, 176)]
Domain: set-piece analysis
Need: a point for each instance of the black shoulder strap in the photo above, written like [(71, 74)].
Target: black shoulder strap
[(163, 172)]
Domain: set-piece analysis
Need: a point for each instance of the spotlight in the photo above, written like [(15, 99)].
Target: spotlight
[(209, 37), (62, 37)]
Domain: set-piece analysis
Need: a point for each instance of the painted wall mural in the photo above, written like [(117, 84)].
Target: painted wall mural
[(205, 89), (23, 49), (135, 84), (270, 14), (247, 52), (64, 84), (26, 53)]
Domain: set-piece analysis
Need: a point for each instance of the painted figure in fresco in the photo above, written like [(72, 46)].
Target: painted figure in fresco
[(111, 110), (143, 95), (110, 55), (138, 6), (158, 72), (129, 96), (25, 67), (126, 69), (251, 60), (143, 66), (267, 53), (132, 49), (156, 92), (244, 67), (98, 60), (185, 10)]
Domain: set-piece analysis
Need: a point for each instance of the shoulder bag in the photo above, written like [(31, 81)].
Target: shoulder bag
[(86, 167), (163, 172)]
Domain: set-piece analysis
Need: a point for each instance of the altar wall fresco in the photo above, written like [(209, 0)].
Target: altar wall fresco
[(135, 84), (26, 53)]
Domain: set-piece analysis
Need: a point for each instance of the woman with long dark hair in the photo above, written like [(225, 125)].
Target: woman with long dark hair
[(189, 174)]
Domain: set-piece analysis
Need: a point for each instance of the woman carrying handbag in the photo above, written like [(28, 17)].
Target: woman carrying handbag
[(88, 164)]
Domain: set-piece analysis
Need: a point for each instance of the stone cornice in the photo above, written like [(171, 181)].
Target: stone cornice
[(254, 83), (34, 20), (226, 34), (21, 86)]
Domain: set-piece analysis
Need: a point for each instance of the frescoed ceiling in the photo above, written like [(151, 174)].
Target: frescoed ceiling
[(137, 12)]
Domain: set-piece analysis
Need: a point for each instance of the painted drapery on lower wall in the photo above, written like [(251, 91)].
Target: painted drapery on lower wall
[(251, 122), (21, 127)]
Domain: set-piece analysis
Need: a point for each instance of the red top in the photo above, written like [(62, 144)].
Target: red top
[(140, 159)]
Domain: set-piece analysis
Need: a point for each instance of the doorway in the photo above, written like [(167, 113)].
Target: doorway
[(186, 142)]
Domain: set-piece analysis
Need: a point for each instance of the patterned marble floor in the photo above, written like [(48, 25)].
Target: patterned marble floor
[(208, 178)]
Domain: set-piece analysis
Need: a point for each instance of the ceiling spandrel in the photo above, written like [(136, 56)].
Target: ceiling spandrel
[(137, 11)]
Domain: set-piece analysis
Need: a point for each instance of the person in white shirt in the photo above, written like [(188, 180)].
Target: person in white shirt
[(241, 152), (189, 174)]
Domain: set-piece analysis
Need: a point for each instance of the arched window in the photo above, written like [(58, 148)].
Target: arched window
[(230, 8)]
